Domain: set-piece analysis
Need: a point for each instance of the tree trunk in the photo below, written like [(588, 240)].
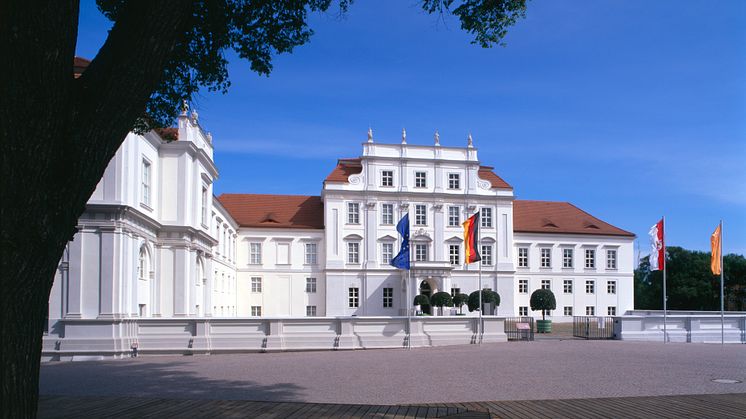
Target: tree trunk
[(57, 136)]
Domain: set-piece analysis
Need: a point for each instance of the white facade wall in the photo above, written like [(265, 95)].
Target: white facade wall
[(145, 245), (372, 272), (622, 295), (281, 271)]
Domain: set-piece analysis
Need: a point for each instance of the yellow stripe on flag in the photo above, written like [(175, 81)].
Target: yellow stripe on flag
[(717, 247)]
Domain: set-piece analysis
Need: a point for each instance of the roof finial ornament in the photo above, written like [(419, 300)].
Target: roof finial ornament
[(437, 138), (469, 141), (184, 107), (403, 136), (370, 134), (195, 116)]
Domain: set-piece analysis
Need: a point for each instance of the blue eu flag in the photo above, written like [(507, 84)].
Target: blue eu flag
[(401, 260)]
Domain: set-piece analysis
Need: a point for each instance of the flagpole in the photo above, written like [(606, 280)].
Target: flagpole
[(409, 280), (722, 289), (665, 297)]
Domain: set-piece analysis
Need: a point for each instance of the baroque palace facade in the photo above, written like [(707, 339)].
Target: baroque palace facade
[(154, 242)]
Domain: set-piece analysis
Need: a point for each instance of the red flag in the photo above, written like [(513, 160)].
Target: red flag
[(471, 239), (657, 247)]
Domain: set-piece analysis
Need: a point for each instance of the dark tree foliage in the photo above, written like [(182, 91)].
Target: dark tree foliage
[(459, 300), (543, 299), (441, 299), (488, 296), (690, 284), (58, 133), (421, 300)]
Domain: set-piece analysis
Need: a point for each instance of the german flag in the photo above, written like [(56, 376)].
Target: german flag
[(471, 239)]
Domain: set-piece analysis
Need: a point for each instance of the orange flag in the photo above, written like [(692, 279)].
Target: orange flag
[(717, 247)]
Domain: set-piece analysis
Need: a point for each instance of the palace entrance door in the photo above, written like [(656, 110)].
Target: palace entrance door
[(426, 290)]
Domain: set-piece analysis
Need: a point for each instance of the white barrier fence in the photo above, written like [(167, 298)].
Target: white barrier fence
[(80, 339), (681, 326)]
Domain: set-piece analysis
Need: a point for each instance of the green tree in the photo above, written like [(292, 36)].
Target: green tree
[(441, 299), (58, 132), (543, 299), (690, 284), (488, 296), (459, 300)]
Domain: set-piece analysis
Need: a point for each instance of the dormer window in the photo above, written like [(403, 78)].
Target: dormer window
[(387, 178), (454, 181)]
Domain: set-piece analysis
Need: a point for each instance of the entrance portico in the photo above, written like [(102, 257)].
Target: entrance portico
[(428, 277)]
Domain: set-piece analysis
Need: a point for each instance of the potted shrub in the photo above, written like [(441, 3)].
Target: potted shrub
[(458, 301), (440, 300), (488, 296), (543, 300), (419, 301)]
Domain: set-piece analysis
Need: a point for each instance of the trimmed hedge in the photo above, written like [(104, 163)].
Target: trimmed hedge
[(441, 299), (543, 299), (488, 296), (421, 300)]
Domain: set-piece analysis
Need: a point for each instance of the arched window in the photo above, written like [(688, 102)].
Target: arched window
[(143, 266)]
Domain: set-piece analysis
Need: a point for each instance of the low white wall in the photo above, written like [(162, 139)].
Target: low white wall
[(102, 338), (694, 327)]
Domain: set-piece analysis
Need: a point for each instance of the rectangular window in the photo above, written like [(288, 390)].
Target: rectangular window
[(546, 284), (420, 215), (420, 179), (388, 297), (311, 285), (310, 311), (387, 214), (387, 178), (611, 311), (353, 297), (523, 311), (256, 311), (454, 181), (546, 257), (204, 206), (486, 217), (256, 284), (387, 252), (255, 253), (454, 219), (455, 291), (523, 257), (567, 286), (146, 182), (420, 252), (312, 253), (353, 252), (353, 213), (590, 258), (590, 311), (523, 286), (454, 254), (487, 255), (611, 259), (567, 256), (590, 287), (568, 311), (611, 287)]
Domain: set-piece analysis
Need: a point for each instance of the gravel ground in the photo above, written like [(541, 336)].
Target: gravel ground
[(544, 369)]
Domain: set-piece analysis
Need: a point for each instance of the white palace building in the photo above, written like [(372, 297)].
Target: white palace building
[(158, 258)]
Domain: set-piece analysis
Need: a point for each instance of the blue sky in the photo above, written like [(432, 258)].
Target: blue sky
[(628, 109)]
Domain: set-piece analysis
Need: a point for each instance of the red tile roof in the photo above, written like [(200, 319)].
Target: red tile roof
[(275, 211), (79, 66), (168, 134), (486, 173), (559, 217), (345, 168)]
